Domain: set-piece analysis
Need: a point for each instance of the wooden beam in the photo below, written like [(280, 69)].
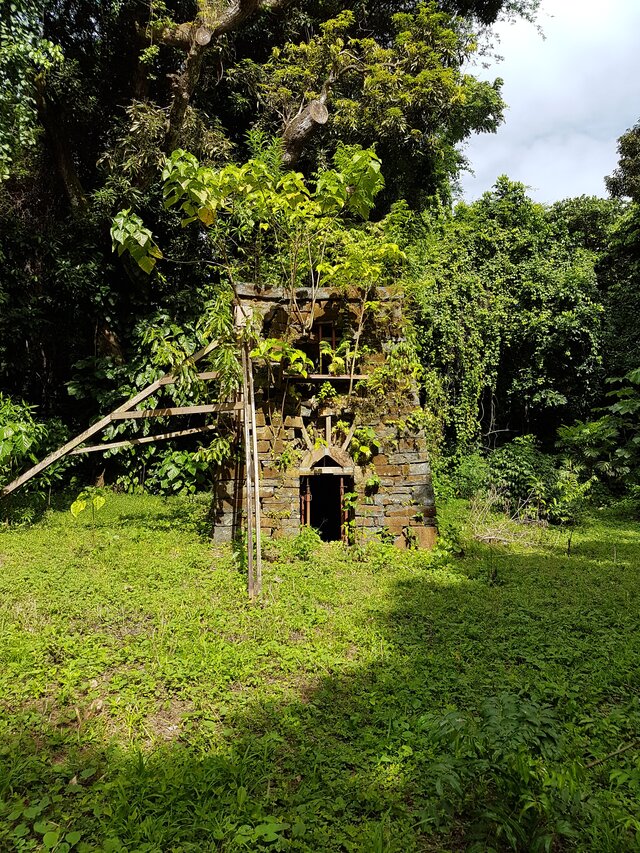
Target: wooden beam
[(327, 376), (205, 376), (99, 425), (147, 439), (347, 441), (79, 439), (333, 469), (176, 410), (307, 438)]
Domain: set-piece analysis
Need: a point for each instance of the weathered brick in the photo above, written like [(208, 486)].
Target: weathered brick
[(426, 536), (422, 468)]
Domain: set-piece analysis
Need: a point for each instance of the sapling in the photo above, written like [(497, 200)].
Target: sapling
[(89, 497)]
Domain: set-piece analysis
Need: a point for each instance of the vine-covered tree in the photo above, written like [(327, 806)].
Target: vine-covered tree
[(509, 316), (619, 266)]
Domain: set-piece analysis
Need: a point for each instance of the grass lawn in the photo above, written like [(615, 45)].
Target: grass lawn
[(385, 701)]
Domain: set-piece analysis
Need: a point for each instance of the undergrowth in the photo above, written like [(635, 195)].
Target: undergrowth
[(482, 698)]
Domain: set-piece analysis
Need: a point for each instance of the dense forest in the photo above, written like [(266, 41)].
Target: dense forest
[(156, 156), (523, 317)]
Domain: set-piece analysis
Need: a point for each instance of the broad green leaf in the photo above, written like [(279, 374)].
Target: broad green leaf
[(77, 507)]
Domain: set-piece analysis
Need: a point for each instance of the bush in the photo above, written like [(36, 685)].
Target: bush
[(471, 475), (498, 767), (23, 440), (523, 476)]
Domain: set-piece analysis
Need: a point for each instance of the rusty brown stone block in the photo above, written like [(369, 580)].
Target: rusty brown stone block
[(426, 537)]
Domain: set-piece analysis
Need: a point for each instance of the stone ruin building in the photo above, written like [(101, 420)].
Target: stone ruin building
[(343, 448)]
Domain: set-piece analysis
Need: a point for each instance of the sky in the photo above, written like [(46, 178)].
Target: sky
[(570, 96)]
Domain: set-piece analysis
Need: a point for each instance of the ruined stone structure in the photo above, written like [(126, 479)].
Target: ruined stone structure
[(343, 448)]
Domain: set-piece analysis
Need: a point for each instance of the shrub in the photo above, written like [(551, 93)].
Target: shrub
[(23, 440), (523, 476), (498, 769), (305, 544), (471, 475)]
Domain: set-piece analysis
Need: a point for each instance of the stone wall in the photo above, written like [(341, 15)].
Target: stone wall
[(291, 427), (402, 506)]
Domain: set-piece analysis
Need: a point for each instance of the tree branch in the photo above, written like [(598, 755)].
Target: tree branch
[(195, 37), (302, 127)]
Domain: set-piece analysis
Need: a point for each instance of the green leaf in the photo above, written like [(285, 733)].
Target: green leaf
[(77, 507), (50, 839)]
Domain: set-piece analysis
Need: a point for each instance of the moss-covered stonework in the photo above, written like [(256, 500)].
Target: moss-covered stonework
[(301, 434)]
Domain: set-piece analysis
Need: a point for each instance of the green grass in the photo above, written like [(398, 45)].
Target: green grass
[(398, 702)]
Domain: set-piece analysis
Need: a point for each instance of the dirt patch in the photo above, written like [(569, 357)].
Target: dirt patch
[(166, 723)]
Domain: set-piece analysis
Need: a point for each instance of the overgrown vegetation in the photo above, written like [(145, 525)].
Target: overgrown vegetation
[(484, 696), (326, 115), (394, 702)]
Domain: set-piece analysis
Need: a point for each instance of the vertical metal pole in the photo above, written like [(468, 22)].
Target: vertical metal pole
[(308, 502)]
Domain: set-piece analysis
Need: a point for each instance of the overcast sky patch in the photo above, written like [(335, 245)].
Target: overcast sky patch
[(570, 96)]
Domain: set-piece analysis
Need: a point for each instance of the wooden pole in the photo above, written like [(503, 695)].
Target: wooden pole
[(147, 439), (249, 477), (101, 424), (256, 473)]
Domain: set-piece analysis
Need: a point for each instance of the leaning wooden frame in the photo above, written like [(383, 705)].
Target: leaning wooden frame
[(244, 408)]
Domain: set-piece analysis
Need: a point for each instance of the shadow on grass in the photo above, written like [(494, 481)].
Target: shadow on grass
[(469, 705), (189, 514), (30, 508)]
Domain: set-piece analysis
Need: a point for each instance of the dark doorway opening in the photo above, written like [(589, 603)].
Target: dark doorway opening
[(322, 500)]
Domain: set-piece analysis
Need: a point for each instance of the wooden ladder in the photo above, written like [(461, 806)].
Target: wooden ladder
[(245, 408), (252, 467)]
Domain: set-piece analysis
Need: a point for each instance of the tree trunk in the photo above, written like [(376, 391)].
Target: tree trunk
[(302, 127)]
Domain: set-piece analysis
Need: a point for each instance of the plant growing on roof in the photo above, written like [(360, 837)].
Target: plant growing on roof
[(271, 226)]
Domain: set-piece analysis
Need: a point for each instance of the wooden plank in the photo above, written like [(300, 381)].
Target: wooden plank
[(347, 441), (256, 475), (147, 439), (176, 410), (205, 376), (333, 469), (327, 376), (249, 475), (307, 439), (92, 430)]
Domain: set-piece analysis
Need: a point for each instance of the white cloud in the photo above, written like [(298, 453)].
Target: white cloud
[(570, 97)]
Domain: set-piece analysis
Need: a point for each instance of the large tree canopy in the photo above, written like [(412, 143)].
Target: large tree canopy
[(98, 94)]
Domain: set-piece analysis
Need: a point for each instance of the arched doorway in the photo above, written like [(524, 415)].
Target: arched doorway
[(324, 482)]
